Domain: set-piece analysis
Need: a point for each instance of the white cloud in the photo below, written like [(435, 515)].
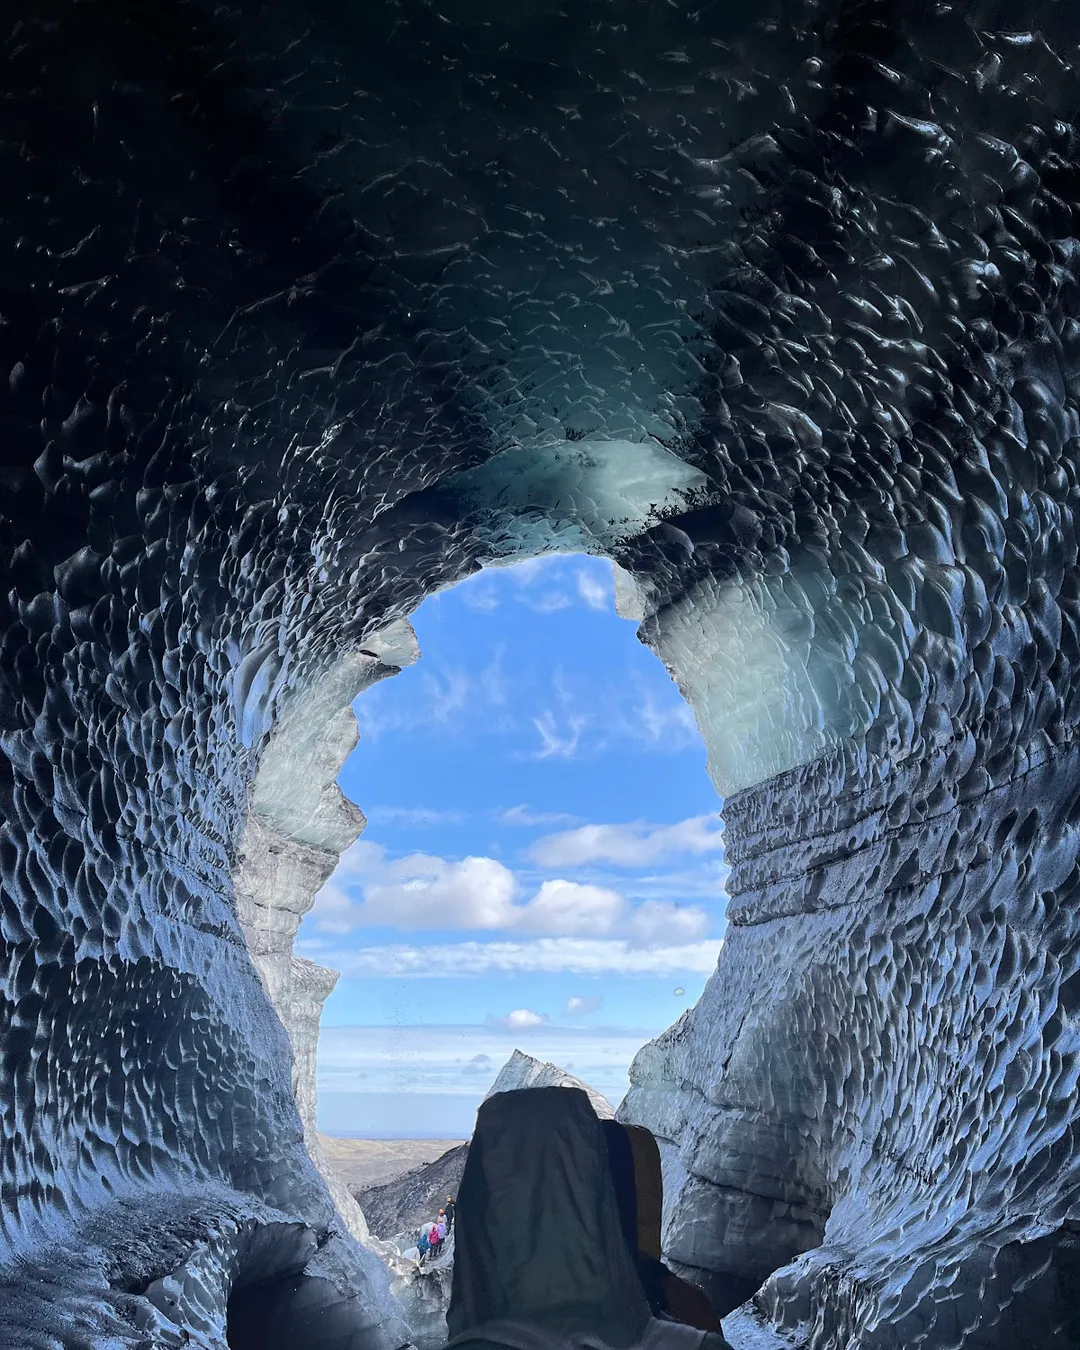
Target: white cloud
[(549, 955), (658, 921), (557, 743), (573, 909), (580, 1005), (631, 845), (520, 1018), (423, 892), (592, 590), (418, 891), (524, 815)]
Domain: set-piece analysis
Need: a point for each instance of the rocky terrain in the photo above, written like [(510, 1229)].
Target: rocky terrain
[(362, 1163), (395, 1208)]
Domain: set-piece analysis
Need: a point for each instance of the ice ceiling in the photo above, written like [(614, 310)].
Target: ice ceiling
[(309, 308)]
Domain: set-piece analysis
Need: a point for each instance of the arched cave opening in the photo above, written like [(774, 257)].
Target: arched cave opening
[(305, 317), (771, 1221)]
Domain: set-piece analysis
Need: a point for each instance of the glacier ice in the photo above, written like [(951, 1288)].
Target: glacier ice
[(522, 1071), (311, 310), (589, 495)]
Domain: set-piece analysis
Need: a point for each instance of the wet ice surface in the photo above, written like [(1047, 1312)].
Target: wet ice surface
[(308, 312)]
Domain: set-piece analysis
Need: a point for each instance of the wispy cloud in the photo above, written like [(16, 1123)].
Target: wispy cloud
[(493, 679), (589, 719), (558, 742), (530, 570), (548, 713), (592, 590), (448, 693), (441, 697), (632, 845), (524, 815), (548, 603), (706, 879), (582, 1005), (575, 956), (654, 723), (545, 585), (414, 816), (479, 595)]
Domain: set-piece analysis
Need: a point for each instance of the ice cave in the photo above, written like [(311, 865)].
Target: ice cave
[(311, 308)]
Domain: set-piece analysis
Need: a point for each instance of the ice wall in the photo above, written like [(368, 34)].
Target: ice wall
[(309, 309), (298, 825)]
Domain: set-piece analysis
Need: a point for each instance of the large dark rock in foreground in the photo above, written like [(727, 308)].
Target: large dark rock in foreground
[(307, 309), (400, 1205)]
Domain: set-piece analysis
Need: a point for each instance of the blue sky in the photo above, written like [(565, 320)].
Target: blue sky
[(543, 862)]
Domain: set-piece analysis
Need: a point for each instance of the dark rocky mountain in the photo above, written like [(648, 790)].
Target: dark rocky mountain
[(401, 1205)]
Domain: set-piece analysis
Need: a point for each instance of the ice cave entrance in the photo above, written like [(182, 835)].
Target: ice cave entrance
[(542, 864)]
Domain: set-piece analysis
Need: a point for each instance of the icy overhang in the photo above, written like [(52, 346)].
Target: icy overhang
[(590, 495)]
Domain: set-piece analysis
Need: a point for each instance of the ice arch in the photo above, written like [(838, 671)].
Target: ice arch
[(304, 315)]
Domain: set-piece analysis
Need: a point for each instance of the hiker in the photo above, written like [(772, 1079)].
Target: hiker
[(443, 1226), (434, 1240), (536, 1267), (422, 1244), (449, 1212)]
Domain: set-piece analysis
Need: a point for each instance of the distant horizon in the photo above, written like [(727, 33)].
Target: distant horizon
[(392, 1083), (397, 1138)]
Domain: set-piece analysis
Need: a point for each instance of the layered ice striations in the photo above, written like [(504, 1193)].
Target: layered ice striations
[(309, 312)]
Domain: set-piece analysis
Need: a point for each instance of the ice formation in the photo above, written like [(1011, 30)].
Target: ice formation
[(309, 309), (523, 1071)]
